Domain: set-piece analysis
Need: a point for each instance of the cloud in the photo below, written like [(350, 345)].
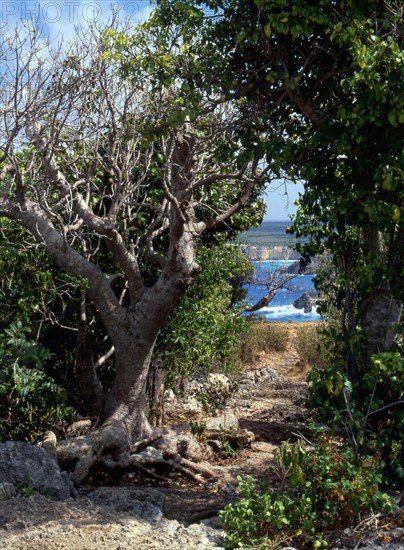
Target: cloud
[(60, 18)]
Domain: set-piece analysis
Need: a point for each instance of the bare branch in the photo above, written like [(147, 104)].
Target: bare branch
[(273, 282)]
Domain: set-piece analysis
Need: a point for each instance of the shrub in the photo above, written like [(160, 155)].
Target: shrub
[(262, 337), (328, 487), (30, 401), (384, 386), (369, 412), (203, 334)]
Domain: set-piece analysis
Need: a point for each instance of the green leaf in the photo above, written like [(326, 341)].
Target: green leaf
[(268, 30)]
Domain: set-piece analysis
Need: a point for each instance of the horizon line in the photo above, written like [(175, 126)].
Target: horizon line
[(278, 220)]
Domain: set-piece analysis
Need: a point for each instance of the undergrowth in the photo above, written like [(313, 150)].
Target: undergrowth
[(369, 413), (30, 401), (323, 488)]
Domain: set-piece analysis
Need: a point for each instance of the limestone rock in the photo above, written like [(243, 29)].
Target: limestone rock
[(7, 490), (145, 503), (25, 464), (218, 383), (306, 301), (191, 405), (225, 421), (262, 253)]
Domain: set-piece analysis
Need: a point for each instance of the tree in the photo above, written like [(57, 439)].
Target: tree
[(118, 186), (323, 82)]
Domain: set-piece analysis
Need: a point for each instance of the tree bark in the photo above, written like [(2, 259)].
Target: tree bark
[(125, 403), (381, 312), (88, 385), (381, 316)]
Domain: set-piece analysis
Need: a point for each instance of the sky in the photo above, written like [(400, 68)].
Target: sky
[(280, 198), (59, 18)]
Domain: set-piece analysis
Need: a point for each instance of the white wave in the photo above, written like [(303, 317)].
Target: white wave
[(274, 262), (292, 313)]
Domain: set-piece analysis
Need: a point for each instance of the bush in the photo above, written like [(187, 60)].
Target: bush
[(328, 487), (30, 402), (262, 337), (203, 334), (369, 412)]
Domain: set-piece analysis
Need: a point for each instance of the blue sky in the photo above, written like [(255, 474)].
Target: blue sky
[(280, 198), (59, 18)]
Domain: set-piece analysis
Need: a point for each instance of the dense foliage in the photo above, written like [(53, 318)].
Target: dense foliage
[(323, 97), (203, 334), (31, 402), (369, 414), (327, 488)]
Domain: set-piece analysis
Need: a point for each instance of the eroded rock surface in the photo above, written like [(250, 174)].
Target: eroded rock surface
[(22, 464)]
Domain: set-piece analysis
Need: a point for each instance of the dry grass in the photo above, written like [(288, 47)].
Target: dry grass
[(311, 346), (262, 338)]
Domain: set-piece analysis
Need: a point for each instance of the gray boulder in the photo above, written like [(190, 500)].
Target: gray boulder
[(7, 490), (146, 503), (306, 301), (26, 465)]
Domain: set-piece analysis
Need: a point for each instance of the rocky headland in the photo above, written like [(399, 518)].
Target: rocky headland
[(256, 253)]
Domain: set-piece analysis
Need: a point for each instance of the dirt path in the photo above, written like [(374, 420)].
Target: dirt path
[(269, 403)]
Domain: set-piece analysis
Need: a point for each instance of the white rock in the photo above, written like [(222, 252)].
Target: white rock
[(149, 454)]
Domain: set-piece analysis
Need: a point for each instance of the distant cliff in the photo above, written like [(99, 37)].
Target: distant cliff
[(261, 253)]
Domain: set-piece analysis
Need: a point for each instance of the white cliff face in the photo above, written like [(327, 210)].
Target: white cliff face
[(262, 253)]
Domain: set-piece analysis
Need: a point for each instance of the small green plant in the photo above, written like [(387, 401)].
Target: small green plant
[(327, 487), (203, 397), (198, 429), (25, 488), (226, 450), (30, 401), (260, 518), (49, 493)]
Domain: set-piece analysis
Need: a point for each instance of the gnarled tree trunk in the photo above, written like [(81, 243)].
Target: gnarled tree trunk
[(125, 403), (88, 385)]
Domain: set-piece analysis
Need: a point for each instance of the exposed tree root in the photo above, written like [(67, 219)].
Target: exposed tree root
[(167, 449), (130, 463), (146, 442), (202, 468)]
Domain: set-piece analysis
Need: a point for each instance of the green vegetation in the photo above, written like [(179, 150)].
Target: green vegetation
[(31, 402), (369, 414), (327, 487), (203, 334)]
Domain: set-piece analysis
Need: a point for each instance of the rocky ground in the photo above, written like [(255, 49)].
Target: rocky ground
[(129, 513)]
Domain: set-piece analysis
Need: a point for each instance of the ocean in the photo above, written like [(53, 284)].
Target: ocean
[(281, 308)]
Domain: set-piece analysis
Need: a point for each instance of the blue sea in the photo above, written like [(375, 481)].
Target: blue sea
[(281, 308)]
